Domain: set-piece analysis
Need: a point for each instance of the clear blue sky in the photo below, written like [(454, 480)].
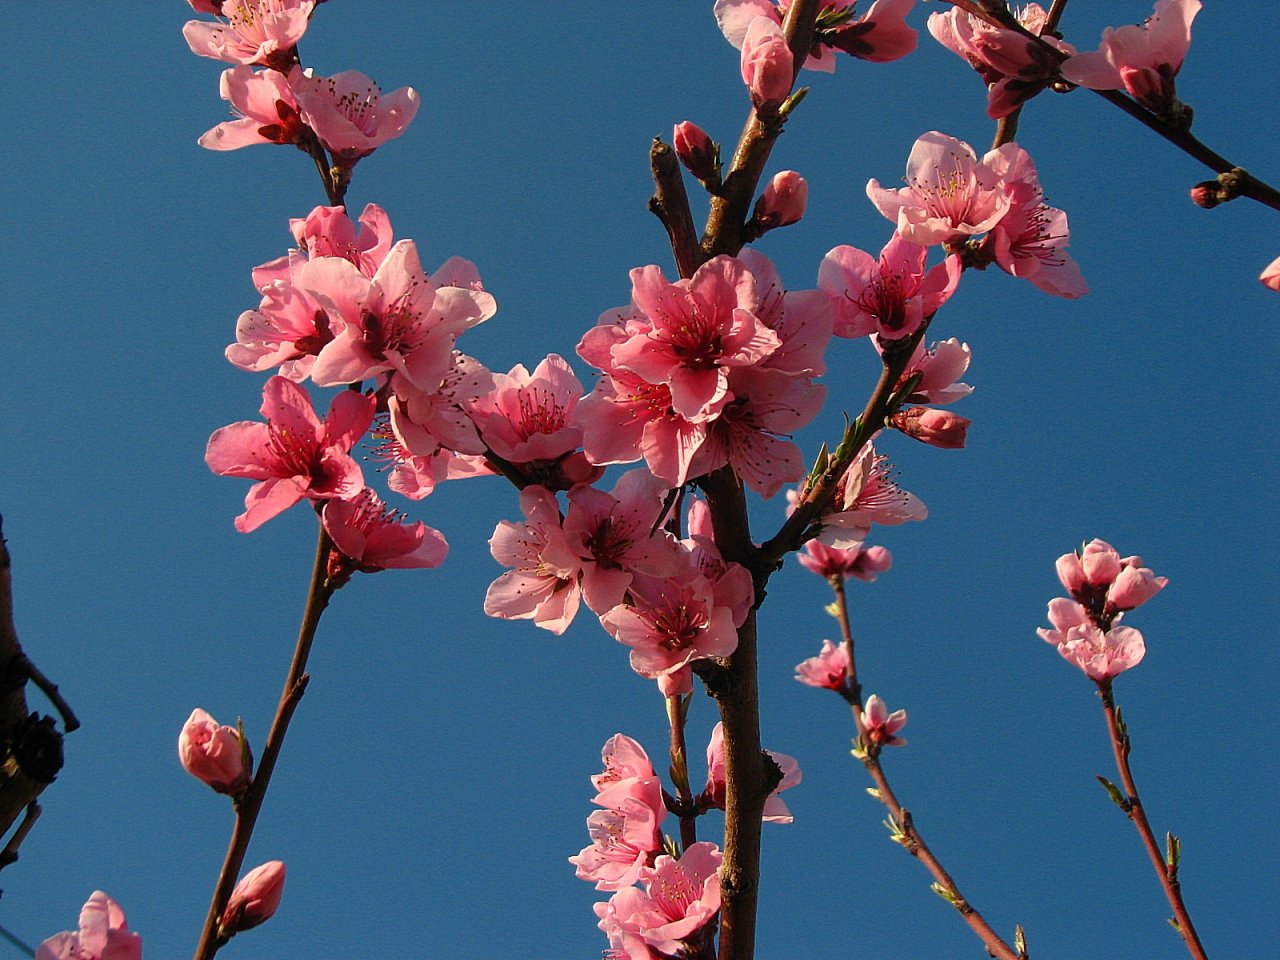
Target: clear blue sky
[(435, 778)]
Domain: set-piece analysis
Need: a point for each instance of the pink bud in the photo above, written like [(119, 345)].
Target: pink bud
[(1100, 562), (254, 899), (1133, 587), (828, 670), (782, 202), (938, 428), (1206, 194), (767, 66), (214, 754), (697, 151), (1271, 275), (1071, 573), (880, 725)]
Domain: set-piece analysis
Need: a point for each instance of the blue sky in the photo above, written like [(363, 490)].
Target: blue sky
[(435, 778)]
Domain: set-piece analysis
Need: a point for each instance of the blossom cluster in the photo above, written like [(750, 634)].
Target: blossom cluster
[(665, 901), (1103, 587)]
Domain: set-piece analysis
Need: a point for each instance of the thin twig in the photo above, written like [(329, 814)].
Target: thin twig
[(250, 805), (22, 662), (680, 773), (904, 829), (10, 852), (1167, 871)]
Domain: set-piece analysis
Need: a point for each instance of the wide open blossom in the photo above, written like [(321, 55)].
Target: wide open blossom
[(399, 321), (616, 536), (1031, 240), (293, 454), (680, 898), (879, 35), (713, 794), (543, 584), (103, 935), (828, 670), (671, 622), (950, 195), (370, 537), (255, 32), (625, 764), (698, 330), (1014, 68), (1141, 60), (890, 296), (350, 114), (265, 105), (623, 838), (287, 330)]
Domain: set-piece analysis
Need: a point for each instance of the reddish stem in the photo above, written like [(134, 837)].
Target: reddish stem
[(680, 774), (250, 804), (1167, 872)]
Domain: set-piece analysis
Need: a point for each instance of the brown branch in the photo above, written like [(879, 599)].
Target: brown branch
[(1167, 871), (22, 663), (10, 852), (251, 803), (670, 204), (1249, 186), (901, 823)]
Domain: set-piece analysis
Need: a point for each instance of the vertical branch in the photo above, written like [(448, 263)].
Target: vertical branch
[(670, 203), (250, 805), (1166, 871)]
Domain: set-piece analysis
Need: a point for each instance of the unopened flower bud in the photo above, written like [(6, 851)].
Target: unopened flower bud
[(767, 66), (782, 202), (1100, 562), (214, 754), (1133, 587), (697, 151), (1206, 194), (938, 428), (1071, 573), (880, 725), (254, 899), (1271, 275)]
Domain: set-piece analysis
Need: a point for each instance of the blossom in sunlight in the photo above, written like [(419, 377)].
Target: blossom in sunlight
[(865, 563), (766, 65), (940, 368), (253, 32), (350, 114), (679, 899), (879, 35), (543, 584), (866, 494), (254, 899), (103, 935), (950, 195), (828, 670), (267, 111), (1101, 654), (330, 232), (670, 623), (1141, 60), (214, 753), (294, 455), (371, 537), (713, 794), (879, 725)]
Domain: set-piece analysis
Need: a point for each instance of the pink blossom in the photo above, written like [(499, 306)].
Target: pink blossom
[(866, 494), (616, 536), (1133, 587), (622, 840), (697, 151), (938, 428), (624, 759), (731, 583), (329, 232), (103, 935), (527, 419), (1031, 240), (288, 329), (680, 898), (1063, 614), (1103, 655), (255, 32), (890, 296), (1013, 67), (265, 105), (670, 623), (1142, 60), (1271, 275), (950, 194), (1106, 583), (427, 422), (767, 65), (543, 586), (698, 330), (350, 114), (782, 203), (370, 537), (865, 563), (397, 321), (879, 725), (293, 454), (940, 367), (879, 35), (713, 794), (214, 754), (254, 899), (828, 670)]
